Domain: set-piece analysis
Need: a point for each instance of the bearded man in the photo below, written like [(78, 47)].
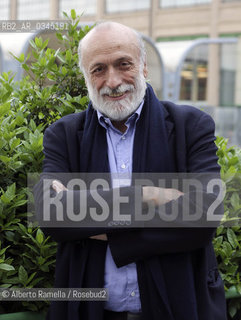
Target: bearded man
[(150, 273)]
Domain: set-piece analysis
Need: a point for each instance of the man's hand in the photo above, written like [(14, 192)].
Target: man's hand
[(160, 196), (58, 186), (102, 237)]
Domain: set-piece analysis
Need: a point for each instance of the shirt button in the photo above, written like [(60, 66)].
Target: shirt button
[(123, 137), (123, 166), (133, 293)]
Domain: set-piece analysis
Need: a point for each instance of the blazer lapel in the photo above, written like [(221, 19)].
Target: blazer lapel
[(151, 149), (93, 145)]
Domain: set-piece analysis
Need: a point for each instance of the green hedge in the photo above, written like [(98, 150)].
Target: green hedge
[(52, 88), (227, 242)]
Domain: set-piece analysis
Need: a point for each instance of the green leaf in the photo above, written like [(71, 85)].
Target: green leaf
[(45, 43), (32, 248), (65, 14), (219, 230), (22, 228), (235, 200), (31, 277), (38, 42), (5, 76), (218, 241), (68, 55), (25, 67), (61, 58), (73, 14), (22, 275), (21, 130), (44, 268), (59, 36), (10, 236), (232, 170), (34, 282), (5, 159), (32, 123), (2, 251), (43, 62), (6, 267), (227, 249), (19, 120), (232, 238), (232, 311), (20, 203), (239, 288), (13, 280), (234, 160), (4, 109), (41, 260), (33, 45), (9, 195), (21, 58), (39, 236), (64, 70), (14, 143)]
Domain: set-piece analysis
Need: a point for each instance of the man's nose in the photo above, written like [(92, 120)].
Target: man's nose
[(113, 79)]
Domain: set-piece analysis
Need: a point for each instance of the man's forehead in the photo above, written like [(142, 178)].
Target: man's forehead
[(110, 38), (112, 48), (109, 45), (111, 29)]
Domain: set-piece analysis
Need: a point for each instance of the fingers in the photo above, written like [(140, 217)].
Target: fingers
[(160, 196), (102, 237), (58, 186), (172, 194)]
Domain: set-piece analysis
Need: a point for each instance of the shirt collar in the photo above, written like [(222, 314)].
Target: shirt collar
[(103, 120)]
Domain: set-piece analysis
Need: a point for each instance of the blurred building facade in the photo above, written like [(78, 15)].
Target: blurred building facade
[(199, 43), (159, 19)]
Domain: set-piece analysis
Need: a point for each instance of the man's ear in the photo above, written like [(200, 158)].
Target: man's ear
[(145, 70)]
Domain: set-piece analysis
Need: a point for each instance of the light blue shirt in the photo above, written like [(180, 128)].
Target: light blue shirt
[(121, 282)]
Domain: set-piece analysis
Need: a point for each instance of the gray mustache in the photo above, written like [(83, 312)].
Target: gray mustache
[(121, 89)]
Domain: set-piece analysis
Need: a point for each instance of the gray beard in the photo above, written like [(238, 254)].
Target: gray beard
[(121, 109)]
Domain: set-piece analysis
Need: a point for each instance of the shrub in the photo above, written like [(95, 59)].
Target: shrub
[(227, 242), (53, 87)]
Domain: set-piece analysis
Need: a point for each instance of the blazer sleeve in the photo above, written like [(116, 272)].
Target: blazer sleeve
[(147, 242)]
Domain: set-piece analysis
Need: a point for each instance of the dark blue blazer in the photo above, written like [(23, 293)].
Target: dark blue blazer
[(177, 268)]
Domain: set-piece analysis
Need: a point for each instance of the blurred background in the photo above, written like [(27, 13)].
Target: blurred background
[(193, 47)]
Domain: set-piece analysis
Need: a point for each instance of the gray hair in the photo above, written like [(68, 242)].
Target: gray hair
[(109, 24)]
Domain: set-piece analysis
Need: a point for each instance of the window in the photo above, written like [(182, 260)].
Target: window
[(85, 7), (113, 6), (4, 9), (194, 75), (38, 9), (181, 3), (228, 69)]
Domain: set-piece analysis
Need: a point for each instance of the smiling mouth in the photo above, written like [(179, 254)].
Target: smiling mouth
[(116, 94)]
